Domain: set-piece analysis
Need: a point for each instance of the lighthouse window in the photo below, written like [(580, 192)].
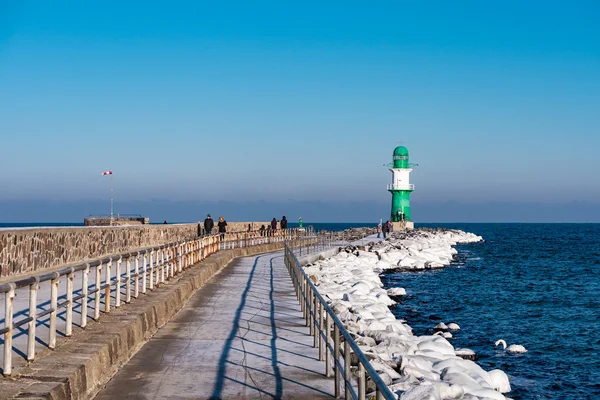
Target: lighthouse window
[(400, 157)]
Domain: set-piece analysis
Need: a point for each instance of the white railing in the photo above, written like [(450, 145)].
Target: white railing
[(334, 342), (401, 187), (94, 288)]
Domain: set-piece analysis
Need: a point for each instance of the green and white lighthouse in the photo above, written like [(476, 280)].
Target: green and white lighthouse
[(401, 188)]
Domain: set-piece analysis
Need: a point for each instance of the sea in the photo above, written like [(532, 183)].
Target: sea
[(537, 285)]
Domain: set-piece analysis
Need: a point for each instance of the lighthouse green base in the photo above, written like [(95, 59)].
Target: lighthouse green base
[(400, 203)]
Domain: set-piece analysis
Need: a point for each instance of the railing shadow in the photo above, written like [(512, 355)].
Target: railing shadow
[(222, 366)]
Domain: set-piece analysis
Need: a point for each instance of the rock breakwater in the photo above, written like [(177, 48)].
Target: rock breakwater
[(414, 367)]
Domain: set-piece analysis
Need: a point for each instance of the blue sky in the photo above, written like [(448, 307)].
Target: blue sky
[(266, 100)]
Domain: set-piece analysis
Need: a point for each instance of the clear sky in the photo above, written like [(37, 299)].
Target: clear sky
[(276, 100)]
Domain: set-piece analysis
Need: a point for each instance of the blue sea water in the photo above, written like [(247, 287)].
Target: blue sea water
[(36, 224), (532, 284)]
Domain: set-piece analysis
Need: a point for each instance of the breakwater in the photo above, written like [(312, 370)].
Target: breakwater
[(23, 251), (414, 367)]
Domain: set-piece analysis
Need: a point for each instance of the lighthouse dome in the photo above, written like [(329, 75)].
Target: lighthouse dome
[(401, 151), (400, 157)]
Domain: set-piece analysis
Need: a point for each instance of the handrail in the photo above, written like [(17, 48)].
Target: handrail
[(138, 271), (316, 310)]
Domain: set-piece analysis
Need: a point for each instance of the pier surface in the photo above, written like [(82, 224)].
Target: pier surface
[(241, 336)]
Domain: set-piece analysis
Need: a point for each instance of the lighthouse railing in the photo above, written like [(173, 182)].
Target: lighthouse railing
[(401, 187)]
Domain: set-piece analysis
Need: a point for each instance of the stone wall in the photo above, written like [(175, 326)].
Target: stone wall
[(23, 251)]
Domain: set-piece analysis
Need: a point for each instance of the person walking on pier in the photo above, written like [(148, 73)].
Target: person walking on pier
[(387, 228), (222, 227), (283, 225), (274, 225), (379, 228), (208, 225)]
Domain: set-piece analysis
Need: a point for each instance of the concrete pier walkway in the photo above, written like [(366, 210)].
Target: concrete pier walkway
[(241, 336)]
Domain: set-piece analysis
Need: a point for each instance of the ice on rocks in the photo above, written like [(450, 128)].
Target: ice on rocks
[(414, 367), (441, 326), (453, 327), (398, 291)]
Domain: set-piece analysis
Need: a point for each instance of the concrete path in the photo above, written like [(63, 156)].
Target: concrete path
[(242, 336)]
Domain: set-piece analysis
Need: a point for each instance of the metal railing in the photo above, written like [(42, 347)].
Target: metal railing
[(116, 280), (322, 321)]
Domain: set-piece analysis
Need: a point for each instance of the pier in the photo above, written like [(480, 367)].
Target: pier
[(205, 318), (241, 336)]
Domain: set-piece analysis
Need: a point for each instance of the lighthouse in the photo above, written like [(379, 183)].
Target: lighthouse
[(401, 188)]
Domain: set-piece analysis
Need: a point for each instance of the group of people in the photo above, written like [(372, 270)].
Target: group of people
[(209, 224), (385, 228), (271, 228)]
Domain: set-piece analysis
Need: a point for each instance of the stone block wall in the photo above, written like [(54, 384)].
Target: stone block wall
[(24, 251)]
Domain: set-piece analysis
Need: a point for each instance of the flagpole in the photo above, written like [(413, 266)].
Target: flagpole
[(111, 199), (111, 193)]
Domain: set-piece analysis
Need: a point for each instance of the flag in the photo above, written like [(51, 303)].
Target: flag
[(107, 173)]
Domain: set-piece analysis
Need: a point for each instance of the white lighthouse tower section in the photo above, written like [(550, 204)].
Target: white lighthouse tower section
[(401, 179)]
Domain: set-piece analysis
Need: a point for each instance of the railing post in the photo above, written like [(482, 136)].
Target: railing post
[(361, 381), (118, 284), (309, 304), (179, 252), (151, 269), (327, 340), (160, 266), (33, 289), (8, 322), (316, 321), (321, 333), (144, 273), (348, 394), (170, 265), (161, 252), (186, 255), (69, 316), (98, 284), (306, 300), (84, 293), (165, 263), (336, 359), (107, 285), (172, 260), (53, 307), (136, 282), (169, 261), (128, 277)]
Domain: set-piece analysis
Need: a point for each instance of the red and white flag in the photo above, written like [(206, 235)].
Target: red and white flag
[(107, 173)]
